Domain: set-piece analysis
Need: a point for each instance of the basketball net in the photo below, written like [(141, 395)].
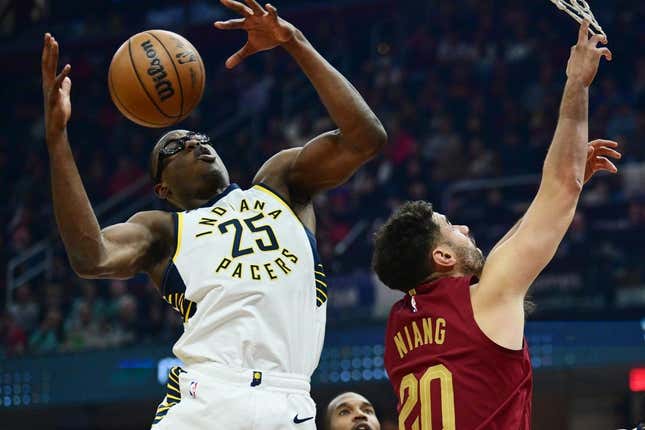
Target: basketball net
[(579, 10)]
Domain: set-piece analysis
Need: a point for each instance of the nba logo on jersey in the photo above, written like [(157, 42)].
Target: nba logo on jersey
[(193, 389)]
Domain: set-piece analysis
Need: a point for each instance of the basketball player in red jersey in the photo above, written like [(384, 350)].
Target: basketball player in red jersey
[(454, 347)]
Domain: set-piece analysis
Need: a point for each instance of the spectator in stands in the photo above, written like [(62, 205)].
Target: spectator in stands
[(47, 337), (13, 340), (25, 310), (351, 411), (82, 331), (125, 328)]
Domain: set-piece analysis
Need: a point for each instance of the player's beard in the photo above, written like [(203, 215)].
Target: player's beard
[(471, 260)]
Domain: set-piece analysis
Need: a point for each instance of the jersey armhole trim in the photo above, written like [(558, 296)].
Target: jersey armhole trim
[(268, 190), (178, 219)]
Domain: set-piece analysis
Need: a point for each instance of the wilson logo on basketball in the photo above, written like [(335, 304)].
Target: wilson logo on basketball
[(158, 73)]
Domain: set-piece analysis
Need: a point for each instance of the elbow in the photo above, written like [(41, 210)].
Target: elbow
[(85, 273), (570, 185), (563, 182), (83, 269), (380, 137), (374, 138)]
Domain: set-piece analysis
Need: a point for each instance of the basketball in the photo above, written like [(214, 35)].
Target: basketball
[(156, 78)]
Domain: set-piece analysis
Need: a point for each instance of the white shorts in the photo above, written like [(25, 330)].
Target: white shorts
[(213, 397)]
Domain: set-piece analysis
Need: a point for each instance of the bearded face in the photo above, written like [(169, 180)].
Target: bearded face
[(470, 259)]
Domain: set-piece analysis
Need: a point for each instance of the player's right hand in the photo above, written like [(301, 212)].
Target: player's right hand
[(265, 29), (585, 56), (56, 88), (599, 152)]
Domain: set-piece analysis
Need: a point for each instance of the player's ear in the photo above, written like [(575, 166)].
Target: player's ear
[(443, 258), (161, 190)]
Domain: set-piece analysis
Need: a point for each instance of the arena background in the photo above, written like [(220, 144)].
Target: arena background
[(468, 91)]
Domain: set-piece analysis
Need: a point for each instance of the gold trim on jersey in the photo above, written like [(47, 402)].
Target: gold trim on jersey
[(173, 394), (180, 222), (181, 305), (320, 284), (277, 197)]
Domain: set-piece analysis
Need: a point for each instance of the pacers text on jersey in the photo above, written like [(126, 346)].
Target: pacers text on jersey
[(419, 332)]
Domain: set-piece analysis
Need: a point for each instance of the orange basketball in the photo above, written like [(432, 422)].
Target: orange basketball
[(156, 78)]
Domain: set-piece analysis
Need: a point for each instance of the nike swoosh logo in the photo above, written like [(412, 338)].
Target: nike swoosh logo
[(297, 420)]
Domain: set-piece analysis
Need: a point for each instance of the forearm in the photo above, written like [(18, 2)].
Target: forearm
[(566, 158), (78, 226), (345, 105), (508, 234)]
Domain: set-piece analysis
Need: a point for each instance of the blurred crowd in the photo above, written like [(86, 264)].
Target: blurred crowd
[(467, 90)]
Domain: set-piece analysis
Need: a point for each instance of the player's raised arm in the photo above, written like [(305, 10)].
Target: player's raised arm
[(513, 265), (598, 153), (118, 252), (331, 158)]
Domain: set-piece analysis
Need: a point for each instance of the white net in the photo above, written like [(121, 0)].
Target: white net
[(579, 10)]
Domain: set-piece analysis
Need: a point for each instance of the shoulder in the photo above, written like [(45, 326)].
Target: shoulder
[(399, 306), (274, 172), (159, 224), (153, 219)]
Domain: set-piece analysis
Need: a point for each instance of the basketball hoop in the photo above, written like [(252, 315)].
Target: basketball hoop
[(579, 10)]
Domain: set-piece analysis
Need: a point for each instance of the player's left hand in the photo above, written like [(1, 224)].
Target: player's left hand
[(265, 29), (597, 153), (56, 87)]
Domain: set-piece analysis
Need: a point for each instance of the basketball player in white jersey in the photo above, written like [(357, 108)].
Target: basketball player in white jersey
[(240, 266)]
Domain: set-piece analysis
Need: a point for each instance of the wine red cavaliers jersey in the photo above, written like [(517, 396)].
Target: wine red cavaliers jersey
[(446, 373)]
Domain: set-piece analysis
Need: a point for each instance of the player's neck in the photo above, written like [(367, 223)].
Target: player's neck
[(447, 274), (194, 202)]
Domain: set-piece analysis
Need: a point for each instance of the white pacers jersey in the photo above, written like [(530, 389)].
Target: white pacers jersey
[(247, 279)]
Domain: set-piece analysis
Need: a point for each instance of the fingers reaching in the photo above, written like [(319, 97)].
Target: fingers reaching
[(272, 10), (603, 148), (62, 75), (607, 152), (237, 7), (583, 34), (66, 86), (49, 64), (602, 163), (49, 58), (231, 24), (603, 142), (238, 57), (255, 7), (605, 52), (597, 38)]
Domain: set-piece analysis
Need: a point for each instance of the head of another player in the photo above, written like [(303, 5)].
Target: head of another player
[(417, 244), (351, 411), (186, 168)]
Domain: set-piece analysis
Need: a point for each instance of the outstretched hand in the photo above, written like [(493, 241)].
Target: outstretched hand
[(265, 30), (597, 153), (585, 55), (56, 87)]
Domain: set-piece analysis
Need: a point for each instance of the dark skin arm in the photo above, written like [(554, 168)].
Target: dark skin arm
[(142, 244), (331, 158)]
